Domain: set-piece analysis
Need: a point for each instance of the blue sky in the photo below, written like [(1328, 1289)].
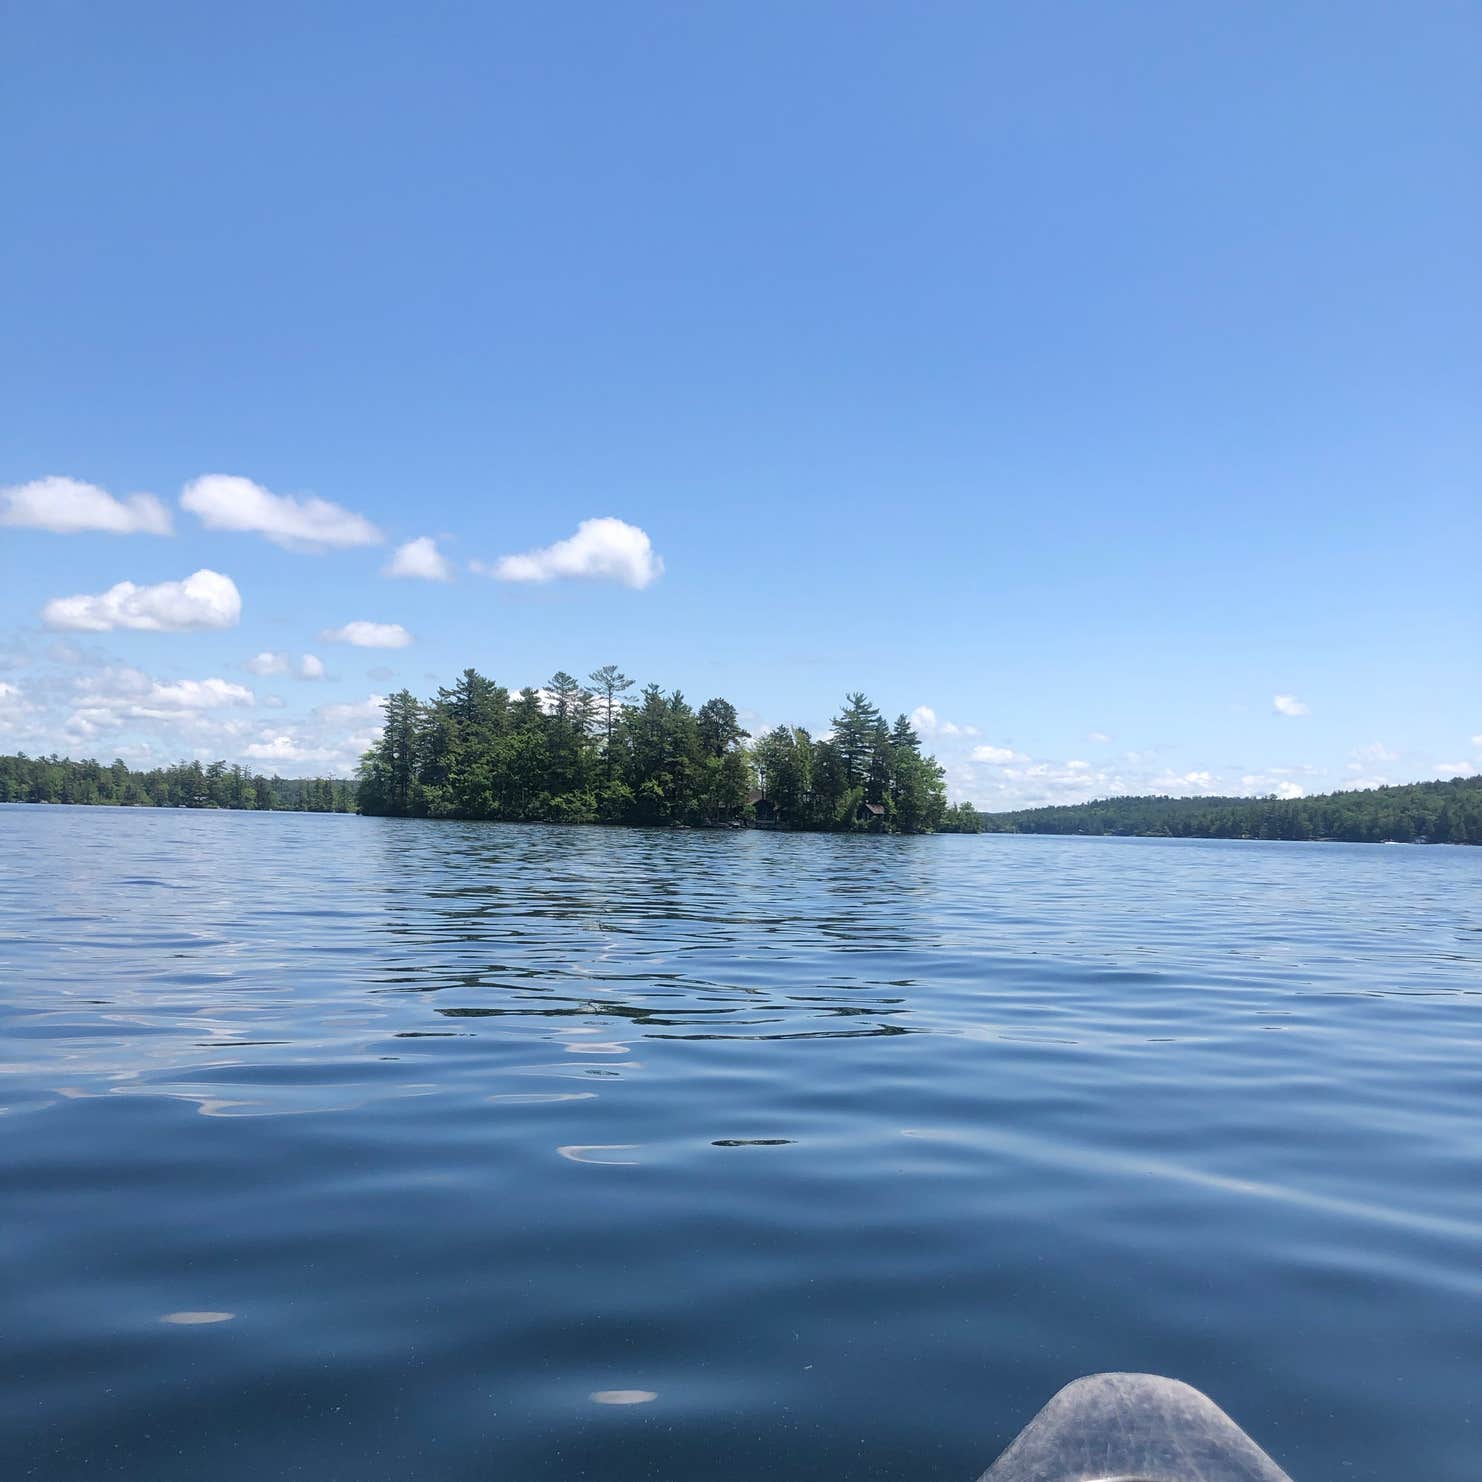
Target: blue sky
[(1070, 371)]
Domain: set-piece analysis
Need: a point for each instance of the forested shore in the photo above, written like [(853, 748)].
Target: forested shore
[(599, 753), (584, 754), (55, 779), (1409, 813)]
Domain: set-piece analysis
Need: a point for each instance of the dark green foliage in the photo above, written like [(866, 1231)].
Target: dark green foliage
[(53, 779), (961, 818), (572, 754), (1417, 812)]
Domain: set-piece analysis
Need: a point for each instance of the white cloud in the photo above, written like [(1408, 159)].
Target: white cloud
[(13, 706), (372, 708), (369, 635), (421, 560), (266, 663), (1477, 742), (112, 699), (925, 720), (1455, 769), (601, 550), (331, 740), (204, 600), (1184, 782), (1375, 751), (108, 710), (126, 687), (1288, 705), (998, 756), (287, 748), (1269, 783), (197, 694), (1100, 737), (66, 506), (226, 502)]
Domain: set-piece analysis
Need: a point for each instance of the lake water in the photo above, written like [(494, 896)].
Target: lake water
[(346, 1148)]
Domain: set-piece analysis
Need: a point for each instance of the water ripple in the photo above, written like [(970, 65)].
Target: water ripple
[(878, 1142)]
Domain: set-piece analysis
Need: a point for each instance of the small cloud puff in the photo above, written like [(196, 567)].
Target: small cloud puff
[(601, 550), (1288, 705), (419, 560), (206, 599), (925, 720), (998, 756), (65, 506), (369, 635), (226, 502), (308, 666)]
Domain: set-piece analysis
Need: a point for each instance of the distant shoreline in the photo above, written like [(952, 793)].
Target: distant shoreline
[(705, 777), (1021, 831), (1405, 813)]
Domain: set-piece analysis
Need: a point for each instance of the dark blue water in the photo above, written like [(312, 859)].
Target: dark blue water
[(350, 1148)]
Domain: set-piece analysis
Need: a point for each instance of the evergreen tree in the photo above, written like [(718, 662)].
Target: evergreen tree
[(856, 733), (609, 684)]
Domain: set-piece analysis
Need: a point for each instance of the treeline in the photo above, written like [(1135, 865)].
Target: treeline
[(588, 753), (1418, 812), (57, 779)]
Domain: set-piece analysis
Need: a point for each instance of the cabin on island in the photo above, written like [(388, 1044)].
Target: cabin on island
[(872, 815), (763, 807)]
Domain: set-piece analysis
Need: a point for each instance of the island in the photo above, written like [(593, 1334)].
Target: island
[(595, 753), (586, 753)]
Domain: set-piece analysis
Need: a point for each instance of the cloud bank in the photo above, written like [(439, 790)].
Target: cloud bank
[(206, 599), (66, 506)]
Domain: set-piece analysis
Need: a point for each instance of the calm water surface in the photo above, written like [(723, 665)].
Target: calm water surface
[(356, 1149)]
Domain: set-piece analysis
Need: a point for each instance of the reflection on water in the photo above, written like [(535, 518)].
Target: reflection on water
[(851, 1150)]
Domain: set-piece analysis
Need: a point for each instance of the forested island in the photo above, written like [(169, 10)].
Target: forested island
[(1411, 813), (597, 753), (588, 753)]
